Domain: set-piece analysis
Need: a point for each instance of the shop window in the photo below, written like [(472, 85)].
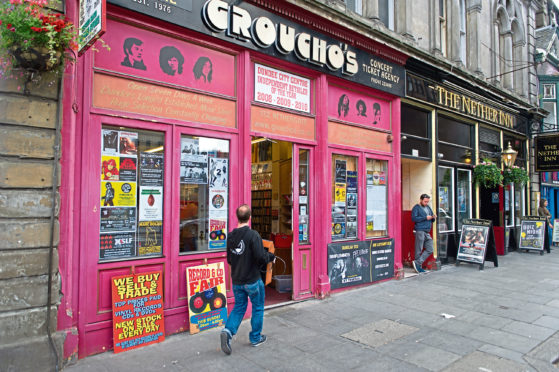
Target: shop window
[(550, 121), (489, 145), (344, 197), (464, 191), (509, 205), (304, 188), (519, 145), (377, 206), (519, 203), (132, 174), (204, 194), (446, 199), (455, 141), (415, 132)]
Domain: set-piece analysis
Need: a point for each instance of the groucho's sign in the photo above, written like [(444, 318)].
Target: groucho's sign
[(251, 27)]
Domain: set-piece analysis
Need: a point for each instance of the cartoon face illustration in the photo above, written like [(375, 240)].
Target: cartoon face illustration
[(361, 108)]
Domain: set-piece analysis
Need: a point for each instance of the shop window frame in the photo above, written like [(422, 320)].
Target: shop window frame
[(428, 139), (452, 187), (387, 159)]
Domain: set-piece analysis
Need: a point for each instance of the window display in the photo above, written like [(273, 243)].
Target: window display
[(204, 194), (446, 199), (344, 197), (131, 213), (377, 206), (464, 195), (303, 196)]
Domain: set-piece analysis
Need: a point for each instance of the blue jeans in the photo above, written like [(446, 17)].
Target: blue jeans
[(256, 293)]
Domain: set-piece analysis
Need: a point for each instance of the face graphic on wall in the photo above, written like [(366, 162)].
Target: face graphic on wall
[(343, 105), (361, 108), (376, 113), (133, 53), (171, 60), (203, 70)]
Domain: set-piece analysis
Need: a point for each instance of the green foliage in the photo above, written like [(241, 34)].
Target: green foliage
[(487, 174), (515, 175)]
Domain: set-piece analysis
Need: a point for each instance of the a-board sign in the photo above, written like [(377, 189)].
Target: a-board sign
[(359, 262), (532, 233), (555, 236), (473, 240), (207, 302), (137, 310)]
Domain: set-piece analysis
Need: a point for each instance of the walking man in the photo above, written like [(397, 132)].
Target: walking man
[(247, 257), (423, 217)]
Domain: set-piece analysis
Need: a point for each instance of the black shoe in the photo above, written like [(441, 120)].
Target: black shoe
[(225, 342), (263, 339)]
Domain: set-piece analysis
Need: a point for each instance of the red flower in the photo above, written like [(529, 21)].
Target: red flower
[(8, 26)]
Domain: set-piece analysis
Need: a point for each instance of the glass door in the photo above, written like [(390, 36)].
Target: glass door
[(464, 195)]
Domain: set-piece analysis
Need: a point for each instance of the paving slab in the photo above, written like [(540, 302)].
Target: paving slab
[(480, 361), (379, 333), (529, 330), (548, 321)]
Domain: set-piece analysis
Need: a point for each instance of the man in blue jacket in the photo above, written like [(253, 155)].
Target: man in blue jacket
[(423, 217)]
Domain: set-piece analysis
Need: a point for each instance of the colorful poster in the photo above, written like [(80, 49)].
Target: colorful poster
[(128, 167), (349, 264), (351, 182), (280, 88), (353, 107), (137, 310), (110, 168), (128, 143), (338, 230), (532, 234), (207, 304), (109, 142), (218, 233), (151, 203), (150, 238), (118, 219), (341, 171), (218, 203), (118, 194), (117, 245), (219, 173), (473, 242), (340, 194), (151, 169), (351, 200)]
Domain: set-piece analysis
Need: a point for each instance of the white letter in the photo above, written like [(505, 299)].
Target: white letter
[(263, 32), (214, 14), (303, 46), (286, 39), (351, 66), (318, 51), (335, 59), (240, 23)]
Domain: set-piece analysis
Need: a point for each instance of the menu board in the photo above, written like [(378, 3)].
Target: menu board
[(207, 304), (137, 310), (532, 233)]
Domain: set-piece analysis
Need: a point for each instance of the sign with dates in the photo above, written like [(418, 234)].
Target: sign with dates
[(279, 88)]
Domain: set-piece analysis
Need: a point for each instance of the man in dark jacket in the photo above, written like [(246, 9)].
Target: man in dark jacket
[(247, 257), (423, 217)]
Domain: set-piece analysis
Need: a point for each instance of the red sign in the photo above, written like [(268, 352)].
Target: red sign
[(137, 310)]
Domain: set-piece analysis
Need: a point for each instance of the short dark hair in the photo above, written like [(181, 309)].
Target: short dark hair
[(129, 42), (424, 196), (243, 213)]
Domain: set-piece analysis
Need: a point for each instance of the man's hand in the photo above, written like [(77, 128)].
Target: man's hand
[(429, 218)]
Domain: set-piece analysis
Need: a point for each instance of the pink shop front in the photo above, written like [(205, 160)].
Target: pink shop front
[(191, 113)]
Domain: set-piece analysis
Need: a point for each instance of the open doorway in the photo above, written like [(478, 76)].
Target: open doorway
[(272, 210)]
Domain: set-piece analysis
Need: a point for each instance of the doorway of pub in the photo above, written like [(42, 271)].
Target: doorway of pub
[(272, 210)]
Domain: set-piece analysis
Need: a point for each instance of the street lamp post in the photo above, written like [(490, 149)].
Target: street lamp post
[(509, 156)]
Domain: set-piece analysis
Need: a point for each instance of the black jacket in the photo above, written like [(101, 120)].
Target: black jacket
[(246, 255)]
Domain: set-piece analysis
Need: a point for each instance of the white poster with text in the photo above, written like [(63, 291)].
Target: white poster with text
[(279, 88)]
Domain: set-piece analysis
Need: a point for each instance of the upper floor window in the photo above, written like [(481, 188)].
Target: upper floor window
[(355, 6), (549, 91), (442, 26), (463, 31), (386, 13)]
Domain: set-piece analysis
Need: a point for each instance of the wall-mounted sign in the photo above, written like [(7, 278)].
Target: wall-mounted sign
[(460, 103), (279, 88), (251, 27), (92, 22), (547, 153)]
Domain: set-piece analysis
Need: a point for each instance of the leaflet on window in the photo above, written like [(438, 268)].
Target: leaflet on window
[(151, 203)]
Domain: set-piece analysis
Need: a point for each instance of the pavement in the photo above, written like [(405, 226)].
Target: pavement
[(502, 319)]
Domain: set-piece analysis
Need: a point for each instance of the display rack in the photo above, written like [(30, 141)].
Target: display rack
[(262, 199)]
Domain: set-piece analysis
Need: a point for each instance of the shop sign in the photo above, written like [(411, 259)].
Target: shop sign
[(92, 23), (207, 304), (547, 153), (137, 310), (279, 88), (459, 103), (251, 27)]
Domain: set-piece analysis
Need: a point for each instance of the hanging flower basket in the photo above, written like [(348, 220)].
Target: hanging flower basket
[(38, 59), (487, 174), (515, 175)]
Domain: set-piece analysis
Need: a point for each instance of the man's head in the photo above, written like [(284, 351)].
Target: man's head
[(243, 213), (133, 48), (424, 200)]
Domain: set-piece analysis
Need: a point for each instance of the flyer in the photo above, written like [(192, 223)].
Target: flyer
[(109, 142), (128, 169), (151, 169), (338, 230), (194, 170), (351, 227), (340, 171), (118, 219), (189, 146), (138, 318), (340, 194), (117, 245), (118, 194), (151, 203), (207, 304), (218, 203), (219, 173), (218, 233), (110, 168), (128, 143), (150, 238), (352, 182)]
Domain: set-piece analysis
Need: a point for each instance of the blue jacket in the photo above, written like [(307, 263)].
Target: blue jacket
[(420, 218)]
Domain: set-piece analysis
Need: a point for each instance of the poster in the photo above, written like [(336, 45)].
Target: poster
[(151, 203), (151, 169), (555, 235), (219, 169), (280, 88), (118, 194), (194, 170), (109, 142), (218, 203), (376, 208), (128, 167), (218, 233), (189, 146), (150, 238), (532, 234), (340, 193), (349, 264), (117, 245), (382, 259), (128, 143), (462, 200), (473, 242), (110, 168), (303, 232), (443, 198), (351, 227), (340, 171), (338, 230), (351, 200), (207, 304), (137, 310), (118, 219)]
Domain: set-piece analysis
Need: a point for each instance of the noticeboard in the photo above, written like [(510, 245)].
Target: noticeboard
[(532, 233), (137, 310), (477, 243)]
